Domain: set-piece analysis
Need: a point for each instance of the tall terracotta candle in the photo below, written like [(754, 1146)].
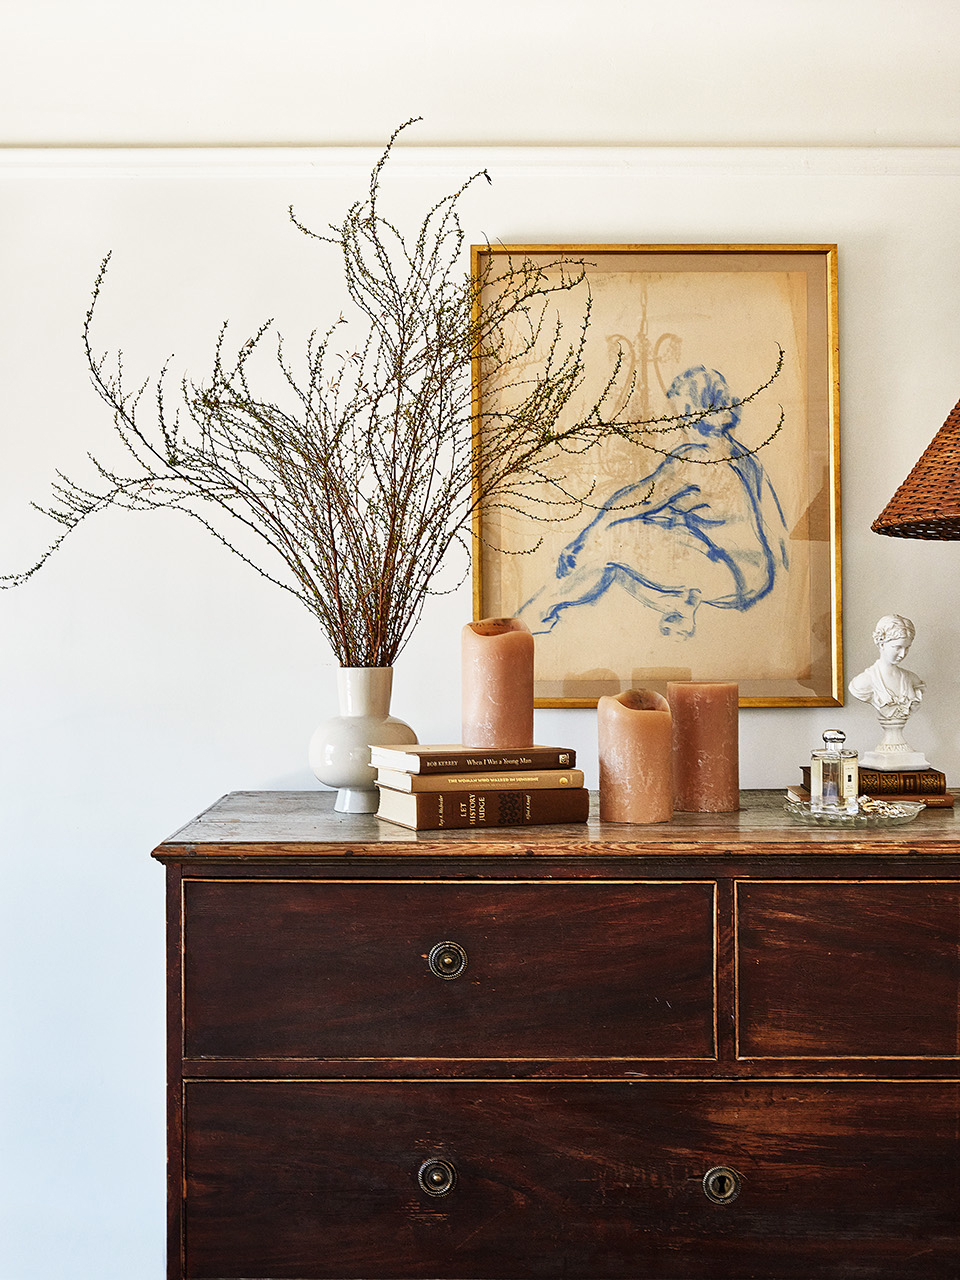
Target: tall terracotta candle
[(706, 746), (496, 682), (634, 737)]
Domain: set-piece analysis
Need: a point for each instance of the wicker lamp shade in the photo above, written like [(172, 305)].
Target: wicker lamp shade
[(927, 504)]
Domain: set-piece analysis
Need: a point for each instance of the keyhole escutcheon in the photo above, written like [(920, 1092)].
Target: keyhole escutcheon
[(721, 1184)]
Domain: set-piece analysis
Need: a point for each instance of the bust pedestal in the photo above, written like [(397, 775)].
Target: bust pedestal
[(892, 752)]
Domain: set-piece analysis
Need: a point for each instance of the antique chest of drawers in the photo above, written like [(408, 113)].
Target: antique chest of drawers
[(725, 1047)]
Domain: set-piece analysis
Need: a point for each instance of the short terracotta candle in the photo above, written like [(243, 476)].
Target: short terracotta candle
[(706, 746), (496, 683), (634, 741)]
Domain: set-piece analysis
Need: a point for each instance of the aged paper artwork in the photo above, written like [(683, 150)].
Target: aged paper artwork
[(696, 554)]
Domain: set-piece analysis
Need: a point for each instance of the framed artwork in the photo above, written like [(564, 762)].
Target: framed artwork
[(705, 545)]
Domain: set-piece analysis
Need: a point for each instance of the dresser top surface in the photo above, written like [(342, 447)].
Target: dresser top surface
[(304, 824)]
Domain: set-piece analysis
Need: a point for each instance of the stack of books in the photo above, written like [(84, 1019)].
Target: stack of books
[(431, 788), (929, 786)]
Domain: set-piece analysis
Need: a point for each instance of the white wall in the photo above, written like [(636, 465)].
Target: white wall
[(556, 72), (144, 671)]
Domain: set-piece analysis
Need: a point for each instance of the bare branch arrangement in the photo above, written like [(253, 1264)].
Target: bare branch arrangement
[(361, 482)]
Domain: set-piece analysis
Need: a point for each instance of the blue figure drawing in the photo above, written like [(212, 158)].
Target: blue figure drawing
[(715, 534)]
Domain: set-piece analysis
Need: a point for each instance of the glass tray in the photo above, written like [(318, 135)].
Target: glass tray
[(906, 811)]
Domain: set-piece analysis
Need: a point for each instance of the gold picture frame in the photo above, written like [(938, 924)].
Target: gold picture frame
[(667, 570)]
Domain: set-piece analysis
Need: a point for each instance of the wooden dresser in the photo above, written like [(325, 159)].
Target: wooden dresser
[(720, 1048)]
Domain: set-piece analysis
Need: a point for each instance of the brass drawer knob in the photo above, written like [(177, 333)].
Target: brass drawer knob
[(437, 1177), (447, 960), (721, 1185)]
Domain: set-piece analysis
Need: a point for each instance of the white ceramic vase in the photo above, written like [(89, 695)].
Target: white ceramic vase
[(340, 747)]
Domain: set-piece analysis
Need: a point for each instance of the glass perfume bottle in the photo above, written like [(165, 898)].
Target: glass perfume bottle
[(834, 775)]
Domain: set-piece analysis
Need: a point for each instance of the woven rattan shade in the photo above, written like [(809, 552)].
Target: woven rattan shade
[(927, 504)]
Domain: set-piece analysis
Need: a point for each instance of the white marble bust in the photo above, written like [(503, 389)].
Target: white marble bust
[(893, 691)]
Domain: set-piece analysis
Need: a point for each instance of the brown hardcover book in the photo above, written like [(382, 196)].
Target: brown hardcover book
[(893, 782), (943, 800), (523, 780), (453, 758), (439, 810)]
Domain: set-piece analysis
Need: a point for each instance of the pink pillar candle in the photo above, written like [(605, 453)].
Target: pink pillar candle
[(633, 736), (706, 746), (496, 682)]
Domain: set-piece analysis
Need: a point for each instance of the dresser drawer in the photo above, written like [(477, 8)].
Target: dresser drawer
[(849, 969), (313, 1180), (343, 969)]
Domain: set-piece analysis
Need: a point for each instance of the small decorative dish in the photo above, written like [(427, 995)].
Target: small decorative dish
[(879, 814)]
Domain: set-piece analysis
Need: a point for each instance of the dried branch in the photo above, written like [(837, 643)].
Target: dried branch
[(355, 489)]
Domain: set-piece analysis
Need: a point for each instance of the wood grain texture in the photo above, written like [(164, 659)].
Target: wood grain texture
[(792, 995), (280, 825), (838, 968), (313, 969), (313, 1180)]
